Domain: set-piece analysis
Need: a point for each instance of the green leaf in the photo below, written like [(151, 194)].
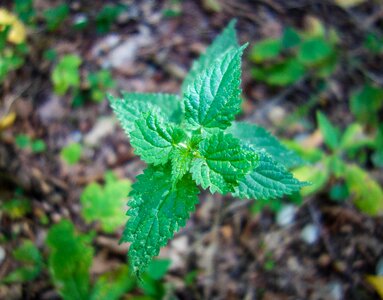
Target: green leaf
[(367, 193), (132, 105), (153, 140), (181, 159), (113, 285), (281, 74), (69, 261), (30, 258), (157, 209), (99, 82), (314, 50), (318, 176), (265, 50), (22, 141), (290, 38), (268, 180), (104, 204), (213, 99), (260, 139), (331, 134), (54, 16), (38, 146), (71, 153), (221, 163), (225, 41), (66, 74), (365, 103)]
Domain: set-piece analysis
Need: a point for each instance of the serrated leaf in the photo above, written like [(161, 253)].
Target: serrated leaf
[(69, 261), (331, 134), (157, 209), (213, 99), (226, 40), (222, 163), (267, 181), (181, 159), (260, 139), (367, 193), (169, 104), (153, 140), (104, 204), (133, 105)]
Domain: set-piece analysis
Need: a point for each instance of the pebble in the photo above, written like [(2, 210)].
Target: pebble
[(286, 215), (2, 255), (310, 234)]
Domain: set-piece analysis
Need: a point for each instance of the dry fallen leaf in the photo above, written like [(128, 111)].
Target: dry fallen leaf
[(17, 33), (7, 120), (377, 283)]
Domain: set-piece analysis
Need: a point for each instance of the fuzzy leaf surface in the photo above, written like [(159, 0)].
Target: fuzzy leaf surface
[(222, 163), (267, 181), (212, 99), (152, 139), (226, 40), (157, 209), (133, 105), (260, 139), (180, 160)]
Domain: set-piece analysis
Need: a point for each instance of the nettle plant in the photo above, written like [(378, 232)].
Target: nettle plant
[(193, 141)]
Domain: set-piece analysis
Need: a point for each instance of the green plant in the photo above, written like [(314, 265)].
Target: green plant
[(66, 74), (99, 82), (72, 278), (55, 16), (107, 15), (287, 59), (194, 141), (31, 263), (338, 164), (103, 204), (71, 153), (12, 43), (23, 141), (16, 208)]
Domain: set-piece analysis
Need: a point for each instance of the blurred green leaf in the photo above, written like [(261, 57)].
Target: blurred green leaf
[(290, 38), (66, 74), (70, 259), (16, 208), (71, 153), (104, 204), (23, 141), (266, 49), (100, 82), (113, 285), (367, 193), (54, 16), (281, 74), (38, 146), (25, 10), (339, 192), (29, 257), (108, 14), (151, 284), (317, 175), (331, 134), (365, 103), (314, 50)]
